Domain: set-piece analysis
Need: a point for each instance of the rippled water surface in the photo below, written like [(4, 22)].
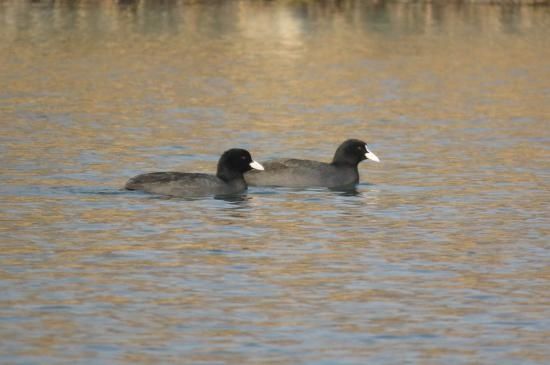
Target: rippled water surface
[(440, 256)]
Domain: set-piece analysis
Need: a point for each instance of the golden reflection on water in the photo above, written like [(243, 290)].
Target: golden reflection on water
[(442, 259)]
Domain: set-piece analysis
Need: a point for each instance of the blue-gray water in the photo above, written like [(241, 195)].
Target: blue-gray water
[(440, 257)]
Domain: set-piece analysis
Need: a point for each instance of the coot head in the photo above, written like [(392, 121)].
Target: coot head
[(234, 163), (353, 151)]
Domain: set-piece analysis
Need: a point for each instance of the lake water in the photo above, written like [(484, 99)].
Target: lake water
[(440, 256)]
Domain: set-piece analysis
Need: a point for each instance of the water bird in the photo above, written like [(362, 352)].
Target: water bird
[(228, 180), (292, 172)]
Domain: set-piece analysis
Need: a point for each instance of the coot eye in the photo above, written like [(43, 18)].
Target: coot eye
[(243, 157)]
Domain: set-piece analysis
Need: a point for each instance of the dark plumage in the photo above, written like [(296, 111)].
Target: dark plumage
[(341, 172), (228, 179)]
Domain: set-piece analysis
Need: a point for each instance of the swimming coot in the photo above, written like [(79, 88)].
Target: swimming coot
[(228, 179), (341, 172)]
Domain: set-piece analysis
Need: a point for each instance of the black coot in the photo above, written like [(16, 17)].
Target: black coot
[(341, 172), (228, 179)]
